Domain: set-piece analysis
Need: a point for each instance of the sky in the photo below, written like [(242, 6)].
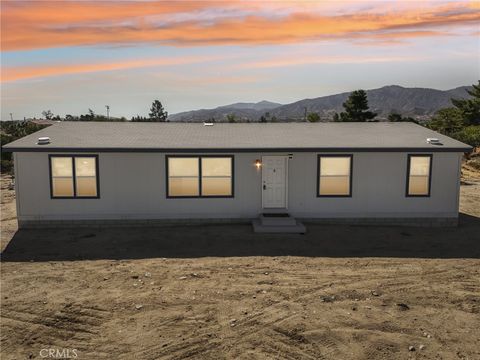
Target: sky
[(68, 56)]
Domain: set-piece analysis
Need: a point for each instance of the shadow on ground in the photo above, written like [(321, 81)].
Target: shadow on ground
[(239, 240)]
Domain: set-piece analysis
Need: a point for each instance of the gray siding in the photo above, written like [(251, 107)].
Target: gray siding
[(132, 186)]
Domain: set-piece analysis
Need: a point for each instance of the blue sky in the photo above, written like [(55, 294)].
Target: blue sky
[(68, 56)]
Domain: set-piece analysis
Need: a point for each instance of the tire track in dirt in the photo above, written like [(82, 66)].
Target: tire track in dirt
[(71, 325), (186, 349), (267, 324), (381, 350), (183, 335)]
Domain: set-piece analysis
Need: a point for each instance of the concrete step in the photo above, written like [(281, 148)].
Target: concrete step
[(277, 220), (298, 228)]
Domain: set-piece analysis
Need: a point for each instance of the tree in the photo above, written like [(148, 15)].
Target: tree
[(394, 117), (356, 108), (447, 121), (470, 108), (10, 131), (313, 117), (469, 135), (91, 116), (265, 117), (139, 118), (48, 114), (231, 118), (462, 121), (157, 112)]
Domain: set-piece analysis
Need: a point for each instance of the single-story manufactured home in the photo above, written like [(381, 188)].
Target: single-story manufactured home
[(110, 172)]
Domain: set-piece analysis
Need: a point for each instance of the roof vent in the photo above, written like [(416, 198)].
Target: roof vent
[(434, 141), (207, 124), (43, 140)]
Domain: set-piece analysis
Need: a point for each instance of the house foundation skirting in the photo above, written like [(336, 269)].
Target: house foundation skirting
[(25, 224), (415, 222)]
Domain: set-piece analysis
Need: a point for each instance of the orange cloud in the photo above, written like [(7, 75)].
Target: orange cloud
[(44, 24), (29, 72)]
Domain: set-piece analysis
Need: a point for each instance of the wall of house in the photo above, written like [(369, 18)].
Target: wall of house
[(132, 186)]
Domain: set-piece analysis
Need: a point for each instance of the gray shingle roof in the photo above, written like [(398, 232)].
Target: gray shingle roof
[(184, 137)]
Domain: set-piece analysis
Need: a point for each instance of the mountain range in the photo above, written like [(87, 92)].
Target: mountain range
[(420, 103)]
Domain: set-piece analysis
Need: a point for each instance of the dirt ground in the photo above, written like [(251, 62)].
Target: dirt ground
[(222, 292)]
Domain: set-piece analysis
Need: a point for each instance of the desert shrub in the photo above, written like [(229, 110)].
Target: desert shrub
[(6, 166), (475, 163)]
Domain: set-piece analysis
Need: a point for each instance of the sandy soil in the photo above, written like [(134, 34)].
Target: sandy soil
[(221, 292)]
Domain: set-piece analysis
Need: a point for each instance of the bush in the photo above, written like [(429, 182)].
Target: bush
[(11, 131), (6, 166), (475, 163), (469, 135)]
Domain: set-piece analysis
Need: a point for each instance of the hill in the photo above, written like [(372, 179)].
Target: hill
[(420, 103), (241, 110)]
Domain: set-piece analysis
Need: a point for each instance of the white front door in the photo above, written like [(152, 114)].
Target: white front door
[(274, 181)]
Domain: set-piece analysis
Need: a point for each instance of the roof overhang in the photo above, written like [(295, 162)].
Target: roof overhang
[(432, 149)]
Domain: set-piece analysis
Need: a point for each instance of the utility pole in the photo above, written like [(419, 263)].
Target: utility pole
[(108, 111), (305, 114), (11, 116)]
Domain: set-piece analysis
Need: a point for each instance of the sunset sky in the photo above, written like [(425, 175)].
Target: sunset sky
[(69, 56)]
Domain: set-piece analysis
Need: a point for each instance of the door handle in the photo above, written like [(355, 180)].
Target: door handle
[(264, 187)]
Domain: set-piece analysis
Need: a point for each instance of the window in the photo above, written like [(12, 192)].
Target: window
[(183, 176), (74, 176), (216, 176), (199, 176), (418, 176), (335, 175)]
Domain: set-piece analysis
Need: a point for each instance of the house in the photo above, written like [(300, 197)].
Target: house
[(104, 172)]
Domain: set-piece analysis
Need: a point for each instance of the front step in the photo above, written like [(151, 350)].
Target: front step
[(277, 220), (297, 228)]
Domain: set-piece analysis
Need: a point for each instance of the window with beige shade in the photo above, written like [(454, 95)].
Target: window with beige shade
[(334, 175), (183, 176), (85, 176), (74, 176), (419, 173), (199, 176), (216, 176)]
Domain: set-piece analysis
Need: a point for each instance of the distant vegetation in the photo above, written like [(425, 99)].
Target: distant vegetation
[(418, 103), (11, 131), (462, 120), (394, 117), (267, 118), (48, 115), (157, 114), (356, 108), (231, 118), (313, 117), (91, 116)]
